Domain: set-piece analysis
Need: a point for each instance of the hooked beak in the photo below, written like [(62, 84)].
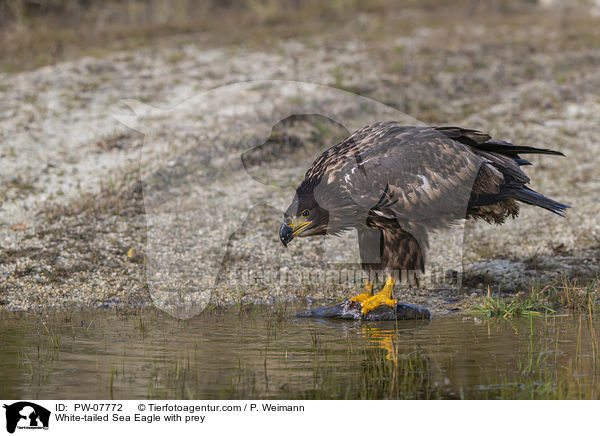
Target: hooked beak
[(286, 234), (291, 228)]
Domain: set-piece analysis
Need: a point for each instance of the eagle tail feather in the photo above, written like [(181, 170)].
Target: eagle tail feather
[(532, 197), (509, 149), (485, 142)]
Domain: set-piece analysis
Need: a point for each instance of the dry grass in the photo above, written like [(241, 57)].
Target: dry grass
[(42, 32), (38, 33)]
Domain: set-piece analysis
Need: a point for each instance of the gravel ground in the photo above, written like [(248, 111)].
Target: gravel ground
[(124, 183)]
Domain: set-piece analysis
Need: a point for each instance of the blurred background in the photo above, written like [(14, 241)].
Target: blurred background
[(39, 32)]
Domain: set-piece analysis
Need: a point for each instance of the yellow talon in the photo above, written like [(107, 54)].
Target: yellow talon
[(380, 299), (365, 295)]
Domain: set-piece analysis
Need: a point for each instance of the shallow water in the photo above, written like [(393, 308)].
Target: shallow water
[(264, 352)]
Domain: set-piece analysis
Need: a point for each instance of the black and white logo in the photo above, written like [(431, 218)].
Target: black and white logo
[(26, 415)]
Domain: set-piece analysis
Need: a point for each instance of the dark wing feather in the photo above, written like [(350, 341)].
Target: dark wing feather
[(417, 174), (427, 176), (504, 157), (484, 142)]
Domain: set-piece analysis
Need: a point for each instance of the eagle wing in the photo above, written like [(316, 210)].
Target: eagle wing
[(414, 174), (500, 180), (423, 177)]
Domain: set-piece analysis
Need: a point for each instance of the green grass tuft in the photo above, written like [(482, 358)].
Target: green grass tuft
[(496, 306)]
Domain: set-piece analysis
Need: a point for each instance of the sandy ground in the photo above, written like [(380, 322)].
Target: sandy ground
[(113, 202)]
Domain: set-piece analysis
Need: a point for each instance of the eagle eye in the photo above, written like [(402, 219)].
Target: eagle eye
[(305, 213)]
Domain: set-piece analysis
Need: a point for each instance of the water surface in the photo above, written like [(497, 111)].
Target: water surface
[(264, 352)]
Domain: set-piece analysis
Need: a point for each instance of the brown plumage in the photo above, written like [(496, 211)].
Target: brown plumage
[(396, 183)]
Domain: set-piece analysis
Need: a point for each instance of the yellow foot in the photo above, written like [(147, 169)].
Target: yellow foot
[(376, 301), (368, 293), (380, 299)]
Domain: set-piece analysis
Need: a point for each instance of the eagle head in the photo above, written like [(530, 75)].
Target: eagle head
[(304, 217)]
